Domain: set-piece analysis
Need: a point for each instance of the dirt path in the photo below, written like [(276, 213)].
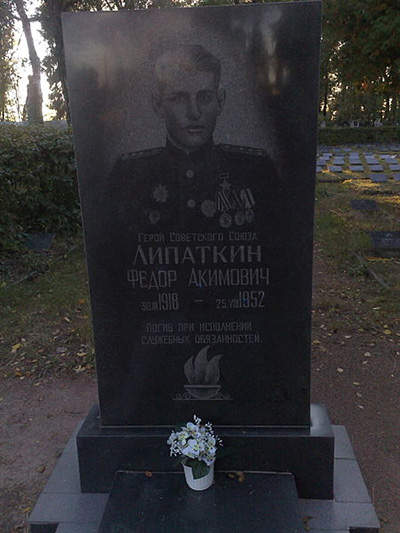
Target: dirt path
[(354, 373), (36, 423)]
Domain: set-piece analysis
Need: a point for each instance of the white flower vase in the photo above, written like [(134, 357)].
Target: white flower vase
[(202, 483)]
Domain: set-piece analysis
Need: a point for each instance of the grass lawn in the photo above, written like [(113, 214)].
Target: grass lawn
[(45, 317)]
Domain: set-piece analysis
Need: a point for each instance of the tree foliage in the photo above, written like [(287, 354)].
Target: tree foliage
[(361, 60)]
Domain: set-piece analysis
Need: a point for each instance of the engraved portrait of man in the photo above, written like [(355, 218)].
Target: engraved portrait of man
[(192, 182)]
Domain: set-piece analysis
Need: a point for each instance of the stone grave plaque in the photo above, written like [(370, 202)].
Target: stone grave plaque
[(378, 178), (385, 240), (364, 205), (196, 161), (39, 242)]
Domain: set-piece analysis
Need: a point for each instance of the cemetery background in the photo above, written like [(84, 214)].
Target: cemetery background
[(333, 223), (359, 62), (47, 375)]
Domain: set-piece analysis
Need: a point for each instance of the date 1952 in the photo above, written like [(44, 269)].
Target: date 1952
[(244, 300)]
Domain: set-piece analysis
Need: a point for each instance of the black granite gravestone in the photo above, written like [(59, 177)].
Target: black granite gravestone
[(196, 162), (195, 135)]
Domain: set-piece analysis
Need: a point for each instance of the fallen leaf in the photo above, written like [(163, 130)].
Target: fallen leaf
[(360, 406), (67, 319), (16, 347), (340, 370), (147, 473), (367, 354), (41, 469), (387, 331)]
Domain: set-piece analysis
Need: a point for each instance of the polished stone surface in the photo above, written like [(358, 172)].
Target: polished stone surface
[(199, 259), (164, 503), (308, 454)]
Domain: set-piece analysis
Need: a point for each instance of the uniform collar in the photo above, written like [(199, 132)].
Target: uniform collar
[(195, 157)]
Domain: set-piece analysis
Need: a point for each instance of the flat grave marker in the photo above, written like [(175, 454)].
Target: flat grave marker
[(379, 178), (364, 205), (385, 240)]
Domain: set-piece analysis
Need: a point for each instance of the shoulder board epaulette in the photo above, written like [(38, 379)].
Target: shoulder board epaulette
[(243, 149), (142, 153)]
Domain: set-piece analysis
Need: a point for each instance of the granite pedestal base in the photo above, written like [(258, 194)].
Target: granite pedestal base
[(63, 508), (165, 504), (305, 453)]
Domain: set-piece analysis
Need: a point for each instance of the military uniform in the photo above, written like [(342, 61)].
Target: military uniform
[(219, 186)]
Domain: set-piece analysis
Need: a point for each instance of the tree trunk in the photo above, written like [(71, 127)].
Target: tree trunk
[(54, 9), (34, 98)]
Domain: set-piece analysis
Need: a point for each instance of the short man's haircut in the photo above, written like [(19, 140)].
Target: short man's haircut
[(189, 58)]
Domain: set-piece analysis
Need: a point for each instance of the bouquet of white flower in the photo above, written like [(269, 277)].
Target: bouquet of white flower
[(196, 446)]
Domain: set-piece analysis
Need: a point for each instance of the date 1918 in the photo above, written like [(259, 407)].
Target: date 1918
[(166, 301)]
